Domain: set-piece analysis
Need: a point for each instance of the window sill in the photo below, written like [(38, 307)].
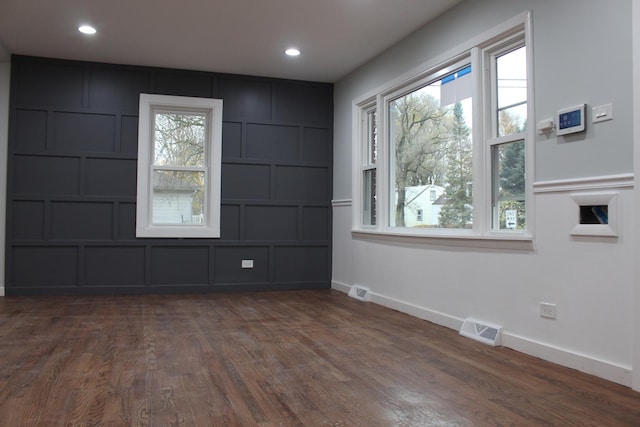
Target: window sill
[(187, 232), (495, 241)]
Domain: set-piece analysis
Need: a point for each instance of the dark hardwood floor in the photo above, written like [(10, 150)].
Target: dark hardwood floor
[(309, 358)]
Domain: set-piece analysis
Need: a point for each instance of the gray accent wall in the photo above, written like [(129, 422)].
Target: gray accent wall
[(71, 194)]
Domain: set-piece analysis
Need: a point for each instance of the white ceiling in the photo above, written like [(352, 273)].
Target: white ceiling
[(228, 36)]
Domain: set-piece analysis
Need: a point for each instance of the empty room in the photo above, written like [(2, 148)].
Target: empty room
[(319, 213)]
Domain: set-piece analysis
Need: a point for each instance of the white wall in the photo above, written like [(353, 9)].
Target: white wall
[(5, 73), (636, 159), (591, 279)]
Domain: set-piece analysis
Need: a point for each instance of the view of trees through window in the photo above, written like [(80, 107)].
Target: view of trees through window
[(178, 168), (431, 150), (508, 158), (508, 161), (432, 154)]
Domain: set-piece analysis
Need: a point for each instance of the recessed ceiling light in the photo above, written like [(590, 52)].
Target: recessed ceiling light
[(292, 51), (87, 29)]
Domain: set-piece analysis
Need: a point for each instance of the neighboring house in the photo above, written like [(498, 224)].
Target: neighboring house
[(173, 200), (420, 209)]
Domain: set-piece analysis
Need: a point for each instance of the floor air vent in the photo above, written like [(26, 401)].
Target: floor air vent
[(481, 331), (360, 292)]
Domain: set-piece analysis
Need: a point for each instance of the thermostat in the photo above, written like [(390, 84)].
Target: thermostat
[(571, 120)]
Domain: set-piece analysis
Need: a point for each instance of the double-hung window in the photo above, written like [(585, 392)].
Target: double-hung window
[(507, 135), (369, 168), (179, 150), (445, 152)]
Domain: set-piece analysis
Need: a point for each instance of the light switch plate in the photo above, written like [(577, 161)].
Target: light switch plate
[(602, 113)]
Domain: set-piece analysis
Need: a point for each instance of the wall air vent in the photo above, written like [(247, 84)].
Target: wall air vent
[(360, 292), (481, 331)]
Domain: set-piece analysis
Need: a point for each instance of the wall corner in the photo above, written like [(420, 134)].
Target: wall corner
[(635, 361), (5, 78)]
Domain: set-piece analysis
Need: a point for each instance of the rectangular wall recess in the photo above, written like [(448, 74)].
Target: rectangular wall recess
[(596, 214)]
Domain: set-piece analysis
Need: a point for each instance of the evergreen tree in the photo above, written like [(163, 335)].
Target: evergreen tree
[(512, 179), (456, 212), (511, 172)]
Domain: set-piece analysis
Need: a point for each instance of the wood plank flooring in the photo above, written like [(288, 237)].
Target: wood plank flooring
[(308, 358)]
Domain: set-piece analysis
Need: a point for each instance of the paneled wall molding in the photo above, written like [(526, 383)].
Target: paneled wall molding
[(71, 171), (5, 83), (341, 203), (581, 184)]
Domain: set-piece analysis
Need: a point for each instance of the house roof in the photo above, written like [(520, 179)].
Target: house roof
[(172, 183)]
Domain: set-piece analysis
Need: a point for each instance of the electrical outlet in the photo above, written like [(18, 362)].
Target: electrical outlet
[(247, 263), (548, 310)]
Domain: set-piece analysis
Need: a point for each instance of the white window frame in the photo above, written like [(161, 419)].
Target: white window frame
[(441, 71), (367, 165), (212, 109), (483, 233), (491, 137)]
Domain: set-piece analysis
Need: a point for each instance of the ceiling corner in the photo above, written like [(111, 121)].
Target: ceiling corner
[(5, 56)]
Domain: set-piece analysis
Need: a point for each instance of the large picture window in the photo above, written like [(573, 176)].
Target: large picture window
[(452, 143), (179, 148), (431, 153)]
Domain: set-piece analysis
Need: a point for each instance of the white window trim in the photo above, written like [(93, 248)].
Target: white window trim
[(610, 199), (212, 108), (386, 167), (482, 231), (491, 138), (364, 154)]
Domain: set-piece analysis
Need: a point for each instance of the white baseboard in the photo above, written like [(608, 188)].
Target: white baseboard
[(1, 291), (599, 368), (420, 312), (587, 364), (432, 316), (339, 286)]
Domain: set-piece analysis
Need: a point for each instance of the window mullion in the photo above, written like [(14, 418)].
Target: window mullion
[(383, 166), (506, 139), (180, 168), (479, 154), (506, 107)]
